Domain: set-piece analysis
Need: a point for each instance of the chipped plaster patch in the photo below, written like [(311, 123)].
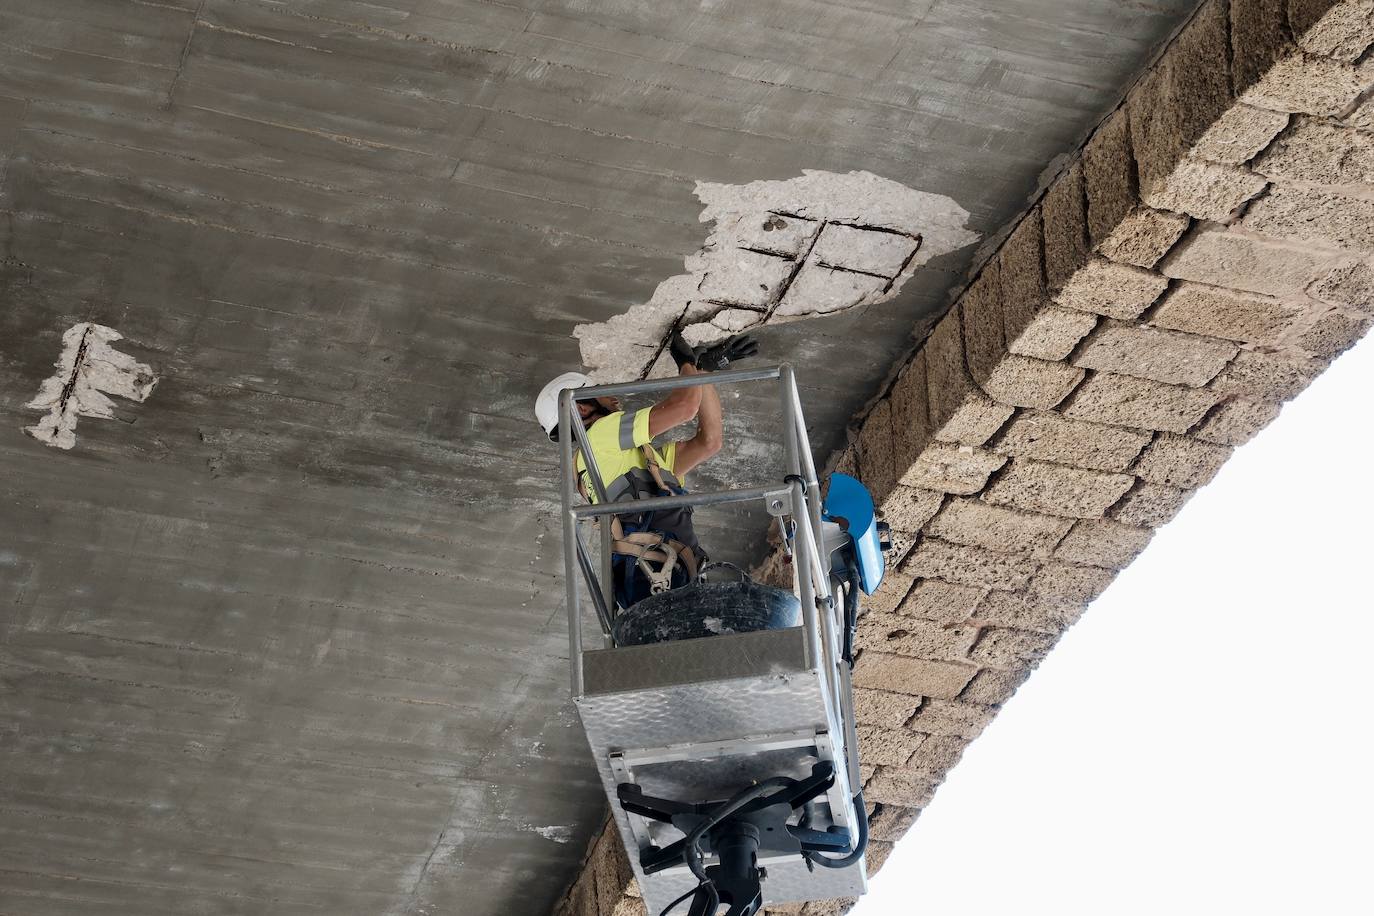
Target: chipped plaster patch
[(780, 251), (88, 369), (558, 833)]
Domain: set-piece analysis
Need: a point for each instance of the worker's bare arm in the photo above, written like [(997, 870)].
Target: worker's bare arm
[(707, 440), (677, 408)]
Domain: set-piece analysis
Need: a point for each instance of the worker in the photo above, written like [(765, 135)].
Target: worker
[(658, 550)]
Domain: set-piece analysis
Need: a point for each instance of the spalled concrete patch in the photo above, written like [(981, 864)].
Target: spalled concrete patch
[(780, 251), (88, 369)]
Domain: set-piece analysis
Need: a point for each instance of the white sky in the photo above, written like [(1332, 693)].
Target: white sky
[(1201, 741)]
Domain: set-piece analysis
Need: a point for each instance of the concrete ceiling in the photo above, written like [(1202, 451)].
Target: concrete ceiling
[(286, 637)]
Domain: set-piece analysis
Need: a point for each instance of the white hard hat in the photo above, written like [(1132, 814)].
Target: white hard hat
[(546, 405)]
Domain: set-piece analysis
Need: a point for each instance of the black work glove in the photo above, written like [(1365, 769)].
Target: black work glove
[(681, 351), (719, 356)]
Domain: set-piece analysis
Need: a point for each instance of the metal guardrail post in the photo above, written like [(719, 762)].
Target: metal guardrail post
[(808, 473), (566, 419), (806, 549)]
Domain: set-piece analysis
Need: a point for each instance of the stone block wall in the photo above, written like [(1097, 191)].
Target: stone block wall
[(1206, 255)]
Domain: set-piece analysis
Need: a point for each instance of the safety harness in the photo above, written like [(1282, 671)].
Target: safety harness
[(656, 552)]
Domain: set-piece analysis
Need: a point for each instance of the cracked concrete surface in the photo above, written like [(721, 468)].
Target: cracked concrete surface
[(780, 251), (88, 369)]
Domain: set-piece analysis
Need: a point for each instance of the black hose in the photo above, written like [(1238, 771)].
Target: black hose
[(851, 609), (692, 893), (861, 814), (692, 852)]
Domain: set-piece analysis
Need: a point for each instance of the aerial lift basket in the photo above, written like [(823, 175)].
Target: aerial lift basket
[(728, 757)]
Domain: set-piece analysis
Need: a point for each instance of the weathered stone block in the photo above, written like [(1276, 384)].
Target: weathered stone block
[(1065, 228), (1053, 489), (1108, 288), (1206, 190), (1003, 648), (1109, 176), (946, 602), (1164, 356), (1305, 84), (891, 822), (882, 707), (953, 718), (1333, 333), (1267, 376), (1023, 382), (936, 559), (1150, 505), (1219, 258), (837, 907), (910, 413), (847, 461), (914, 637), (1363, 115), (1103, 542), (582, 897), (887, 746), (947, 378), (1350, 284), (1143, 236), (1235, 421), (876, 855), (900, 786), (969, 521), (952, 468), (908, 508), (1181, 96), (1240, 134), (1180, 461), (976, 419), (1052, 333), (853, 248), (959, 411), (1052, 437), (1070, 582), (938, 754), (891, 593), (903, 542), (1343, 31), (915, 676), (1125, 401), (610, 869), (1320, 153), (877, 463), (1028, 612), (1216, 312), (994, 687), (1314, 216), (1259, 36), (981, 305), (630, 905), (1024, 296)]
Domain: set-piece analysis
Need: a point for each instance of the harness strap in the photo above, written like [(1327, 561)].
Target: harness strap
[(651, 460), (649, 546)]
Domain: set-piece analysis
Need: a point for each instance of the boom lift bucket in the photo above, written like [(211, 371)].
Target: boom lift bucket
[(720, 714)]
